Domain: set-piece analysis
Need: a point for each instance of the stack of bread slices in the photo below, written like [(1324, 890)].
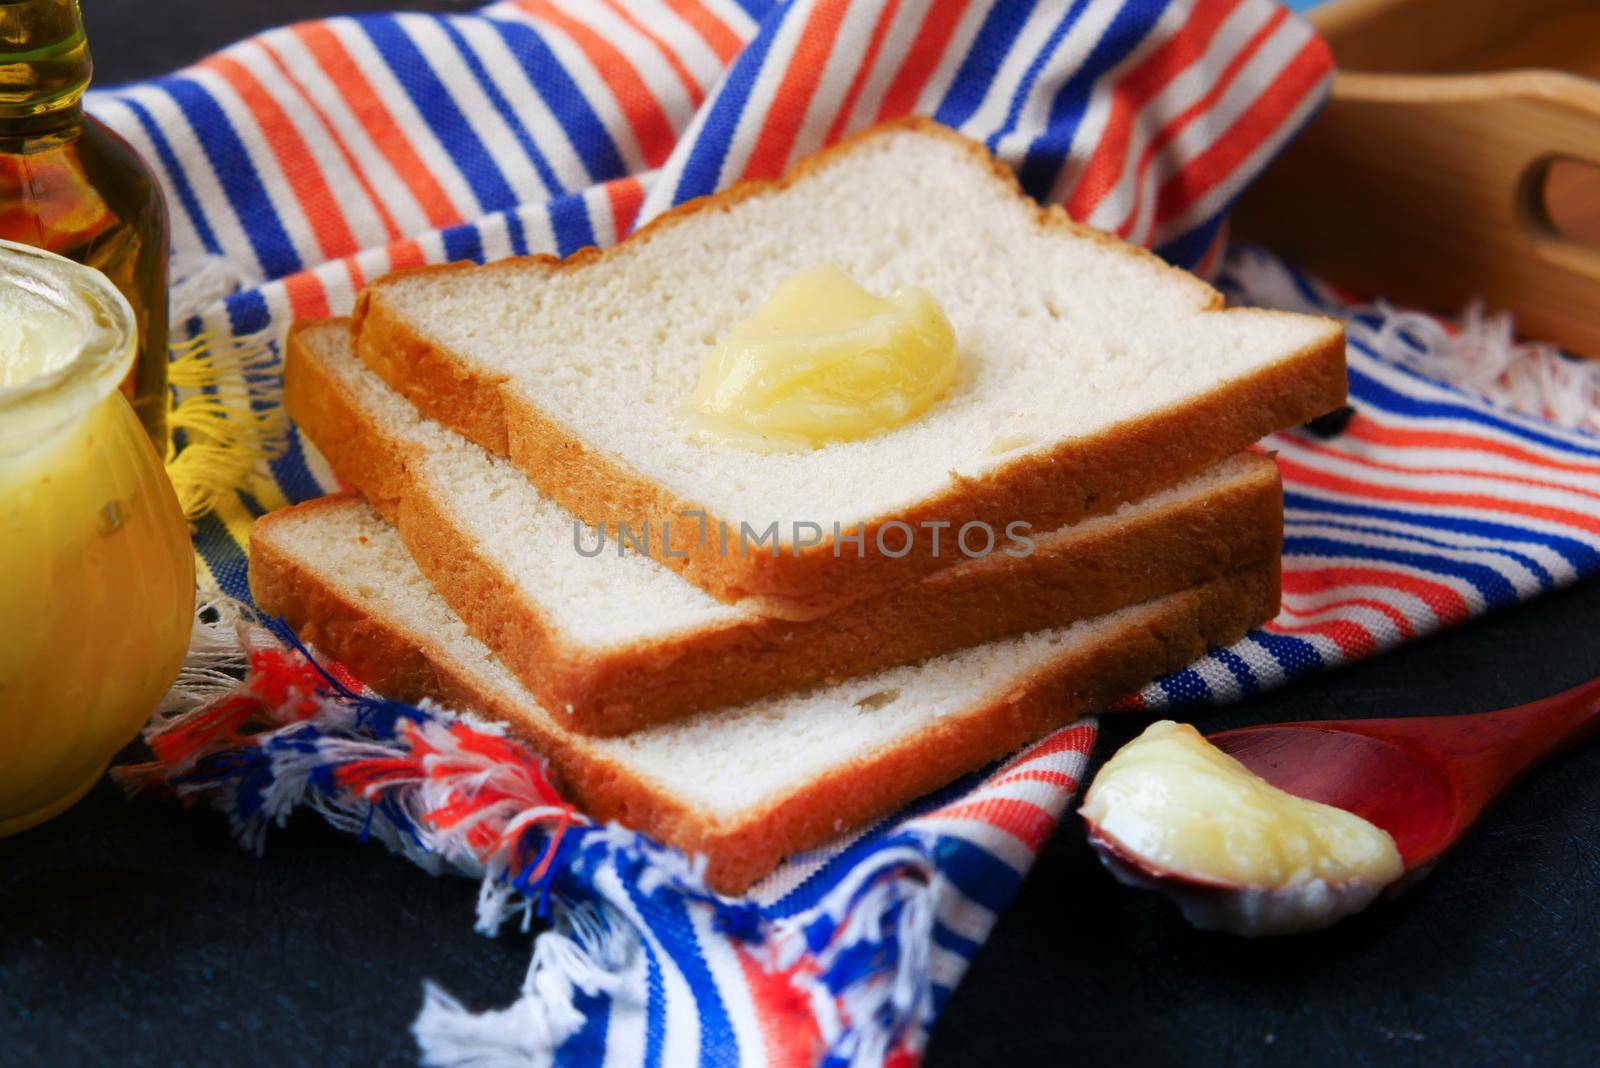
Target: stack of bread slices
[(746, 698)]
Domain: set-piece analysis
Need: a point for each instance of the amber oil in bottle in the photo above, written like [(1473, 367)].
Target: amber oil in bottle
[(69, 185)]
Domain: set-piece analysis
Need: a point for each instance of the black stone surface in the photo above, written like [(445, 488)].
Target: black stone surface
[(139, 934)]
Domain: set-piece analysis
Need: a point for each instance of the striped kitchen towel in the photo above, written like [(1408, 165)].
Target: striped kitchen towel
[(1432, 503), (303, 162), (300, 163)]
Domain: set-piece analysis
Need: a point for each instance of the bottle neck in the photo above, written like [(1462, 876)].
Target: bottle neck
[(44, 65)]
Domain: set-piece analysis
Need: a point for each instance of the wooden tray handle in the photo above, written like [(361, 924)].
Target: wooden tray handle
[(1575, 139), (1428, 189)]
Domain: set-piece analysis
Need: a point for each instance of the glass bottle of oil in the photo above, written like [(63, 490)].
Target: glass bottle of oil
[(73, 187)]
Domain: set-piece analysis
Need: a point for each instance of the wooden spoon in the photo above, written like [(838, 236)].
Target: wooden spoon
[(1425, 780)]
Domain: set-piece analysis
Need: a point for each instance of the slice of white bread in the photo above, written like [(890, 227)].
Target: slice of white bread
[(613, 644), (1091, 373), (750, 785)]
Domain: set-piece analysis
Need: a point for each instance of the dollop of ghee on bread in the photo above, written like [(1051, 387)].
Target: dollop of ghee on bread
[(823, 360)]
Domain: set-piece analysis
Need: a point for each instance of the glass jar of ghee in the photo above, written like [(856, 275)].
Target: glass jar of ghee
[(96, 571)]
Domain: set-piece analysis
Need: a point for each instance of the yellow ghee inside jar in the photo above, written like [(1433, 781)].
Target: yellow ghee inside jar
[(38, 336), (96, 571), (823, 360)]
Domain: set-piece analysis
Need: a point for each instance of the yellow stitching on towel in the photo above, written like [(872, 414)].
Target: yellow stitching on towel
[(226, 407), (205, 580), (236, 520)]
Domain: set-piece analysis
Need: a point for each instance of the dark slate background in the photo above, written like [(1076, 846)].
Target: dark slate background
[(139, 934)]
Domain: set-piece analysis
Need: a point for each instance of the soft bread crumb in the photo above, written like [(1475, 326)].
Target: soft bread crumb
[(747, 787), (624, 642), (1063, 334), (759, 751)]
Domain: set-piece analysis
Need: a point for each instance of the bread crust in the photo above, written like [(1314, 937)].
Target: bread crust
[(406, 665), (623, 688), (1072, 481)]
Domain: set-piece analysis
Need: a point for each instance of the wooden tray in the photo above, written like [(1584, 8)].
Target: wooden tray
[(1458, 157)]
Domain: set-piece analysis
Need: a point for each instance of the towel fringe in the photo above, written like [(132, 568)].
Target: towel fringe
[(1479, 353), (453, 793), (225, 417), (866, 948), (217, 659), (587, 949)]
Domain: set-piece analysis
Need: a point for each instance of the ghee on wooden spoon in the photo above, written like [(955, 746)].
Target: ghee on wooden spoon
[(1172, 812)]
